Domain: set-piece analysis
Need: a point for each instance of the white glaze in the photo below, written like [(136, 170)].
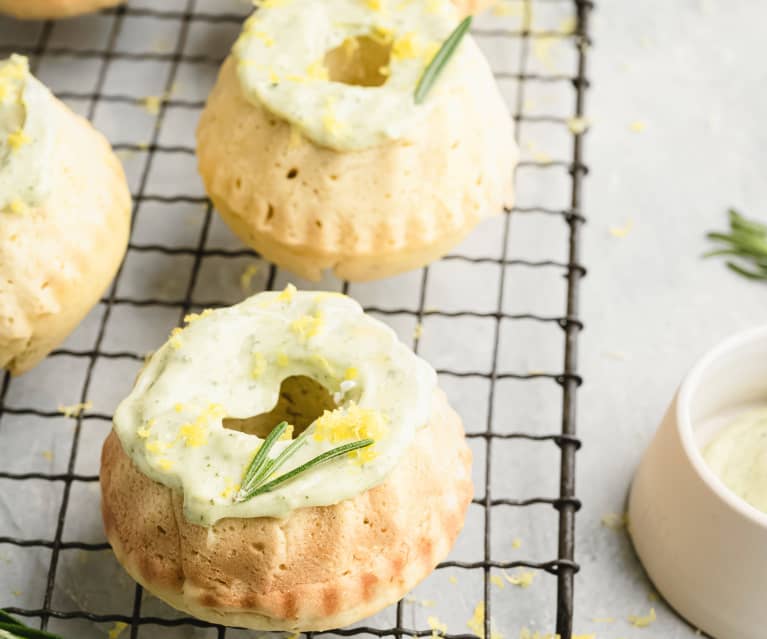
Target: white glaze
[(236, 358), (27, 117), (285, 38)]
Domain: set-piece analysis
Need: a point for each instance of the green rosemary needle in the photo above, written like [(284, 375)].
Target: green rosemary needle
[(747, 242), (15, 628), (261, 457), (440, 60), (256, 489)]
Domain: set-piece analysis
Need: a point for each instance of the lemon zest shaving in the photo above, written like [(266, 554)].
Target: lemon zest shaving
[(643, 621), (75, 410), (117, 629)]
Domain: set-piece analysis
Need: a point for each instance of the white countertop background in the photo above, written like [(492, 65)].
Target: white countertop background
[(694, 71)]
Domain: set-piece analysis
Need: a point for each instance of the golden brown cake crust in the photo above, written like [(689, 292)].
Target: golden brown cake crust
[(56, 263), (365, 214), (318, 568), (42, 9)]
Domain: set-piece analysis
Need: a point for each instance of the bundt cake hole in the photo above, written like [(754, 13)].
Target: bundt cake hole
[(302, 399), (360, 61)]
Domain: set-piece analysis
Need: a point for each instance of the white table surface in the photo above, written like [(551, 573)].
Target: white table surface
[(694, 72)]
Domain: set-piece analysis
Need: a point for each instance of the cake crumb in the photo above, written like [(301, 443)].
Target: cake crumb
[(75, 410)]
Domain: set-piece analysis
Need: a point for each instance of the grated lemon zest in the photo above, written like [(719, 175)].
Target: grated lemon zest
[(156, 446), (288, 434), (351, 373), (323, 363), (287, 293), (578, 125), (351, 423), (497, 581), (637, 126), (165, 463), (317, 71), (453, 579), (477, 623), (175, 340), (230, 487), (259, 365), (329, 118), (17, 206), (382, 35), (516, 543), (308, 326), (117, 629), (615, 521), (17, 139), (193, 317), (195, 434), (47, 454), (282, 359), (75, 410), (437, 627), (523, 579), (246, 278), (622, 231), (642, 621)]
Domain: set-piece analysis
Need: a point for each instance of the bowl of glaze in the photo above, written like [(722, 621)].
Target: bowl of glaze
[(705, 548)]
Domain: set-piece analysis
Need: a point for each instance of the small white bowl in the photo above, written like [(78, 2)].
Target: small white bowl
[(704, 548)]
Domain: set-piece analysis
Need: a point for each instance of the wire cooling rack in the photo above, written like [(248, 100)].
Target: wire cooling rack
[(480, 315)]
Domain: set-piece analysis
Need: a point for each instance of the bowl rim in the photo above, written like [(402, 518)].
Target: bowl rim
[(689, 385)]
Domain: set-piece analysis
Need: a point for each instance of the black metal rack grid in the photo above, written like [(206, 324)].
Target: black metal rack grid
[(563, 566)]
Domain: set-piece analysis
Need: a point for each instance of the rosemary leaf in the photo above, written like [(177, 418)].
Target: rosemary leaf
[(747, 242), (752, 275), (312, 463), (23, 632), (262, 455), (440, 60), (273, 465), (740, 223)]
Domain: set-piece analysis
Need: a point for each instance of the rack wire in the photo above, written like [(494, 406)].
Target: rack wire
[(41, 47)]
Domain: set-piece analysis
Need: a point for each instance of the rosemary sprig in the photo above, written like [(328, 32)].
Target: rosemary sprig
[(312, 463), (17, 629), (440, 60), (747, 241), (261, 467)]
